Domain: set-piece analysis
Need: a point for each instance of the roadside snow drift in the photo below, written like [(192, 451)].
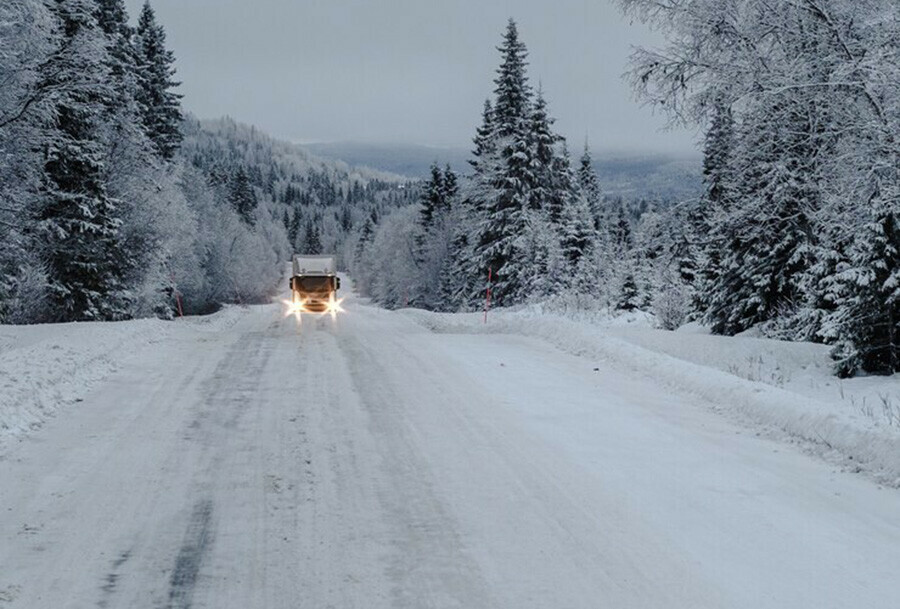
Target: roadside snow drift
[(44, 368), (782, 389)]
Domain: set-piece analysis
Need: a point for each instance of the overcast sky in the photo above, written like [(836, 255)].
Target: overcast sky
[(406, 71)]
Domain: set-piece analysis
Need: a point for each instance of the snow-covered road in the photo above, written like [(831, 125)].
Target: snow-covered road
[(373, 463)]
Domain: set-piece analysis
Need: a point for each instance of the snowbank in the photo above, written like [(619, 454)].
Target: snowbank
[(49, 366), (782, 389)]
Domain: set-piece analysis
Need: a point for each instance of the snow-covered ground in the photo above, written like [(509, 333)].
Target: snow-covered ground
[(44, 368), (409, 459), (785, 390)]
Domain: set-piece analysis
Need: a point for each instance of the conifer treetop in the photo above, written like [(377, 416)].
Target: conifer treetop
[(513, 93)]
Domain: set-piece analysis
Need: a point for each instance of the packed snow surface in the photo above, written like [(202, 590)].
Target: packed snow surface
[(408, 459)]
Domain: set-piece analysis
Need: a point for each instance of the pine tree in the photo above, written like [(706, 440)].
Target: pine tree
[(485, 139), (433, 199), (767, 243), (77, 220), (242, 197), (294, 227), (365, 237), (312, 243), (629, 296), (621, 233), (513, 93), (562, 187), (346, 217), (112, 18), (866, 321), (451, 187), (719, 182), (456, 279), (543, 143), (160, 105), (578, 234), (590, 186), (502, 179)]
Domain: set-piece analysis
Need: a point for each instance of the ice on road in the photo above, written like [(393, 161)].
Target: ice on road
[(371, 463)]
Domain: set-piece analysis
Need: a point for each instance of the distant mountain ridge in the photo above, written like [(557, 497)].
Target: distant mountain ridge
[(630, 175)]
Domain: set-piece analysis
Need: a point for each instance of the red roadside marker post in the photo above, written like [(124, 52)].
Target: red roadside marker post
[(487, 296)]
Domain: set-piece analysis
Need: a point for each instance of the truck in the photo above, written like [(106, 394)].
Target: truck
[(314, 284)]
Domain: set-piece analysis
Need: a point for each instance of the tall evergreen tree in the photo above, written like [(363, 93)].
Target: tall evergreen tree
[(433, 197), (78, 220), (242, 196), (503, 179), (716, 202), (543, 143), (767, 243), (578, 233), (451, 186), (160, 104), (562, 185), (866, 321), (312, 243), (513, 93), (590, 186), (485, 139), (123, 61), (294, 227), (366, 233)]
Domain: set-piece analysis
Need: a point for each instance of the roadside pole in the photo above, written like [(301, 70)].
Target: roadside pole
[(487, 295), (177, 296)]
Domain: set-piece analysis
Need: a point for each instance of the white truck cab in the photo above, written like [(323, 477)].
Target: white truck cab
[(314, 283)]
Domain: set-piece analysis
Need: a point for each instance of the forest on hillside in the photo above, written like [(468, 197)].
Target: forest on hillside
[(795, 235), (115, 204)]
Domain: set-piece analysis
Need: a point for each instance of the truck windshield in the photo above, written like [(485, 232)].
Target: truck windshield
[(314, 284)]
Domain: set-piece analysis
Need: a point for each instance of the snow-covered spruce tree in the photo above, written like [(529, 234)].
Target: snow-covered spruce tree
[(26, 41), (547, 272), (502, 184), (310, 242), (629, 296), (512, 106), (590, 186), (466, 266), (160, 104), (767, 241), (433, 201), (578, 235), (563, 183), (865, 323), (716, 201), (242, 197), (77, 220), (434, 289), (485, 139), (451, 186), (458, 281), (824, 81), (112, 17), (365, 236), (543, 142), (624, 293), (142, 187), (294, 226)]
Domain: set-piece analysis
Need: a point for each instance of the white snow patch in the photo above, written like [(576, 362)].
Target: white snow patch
[(46, 367), (783, 389)]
